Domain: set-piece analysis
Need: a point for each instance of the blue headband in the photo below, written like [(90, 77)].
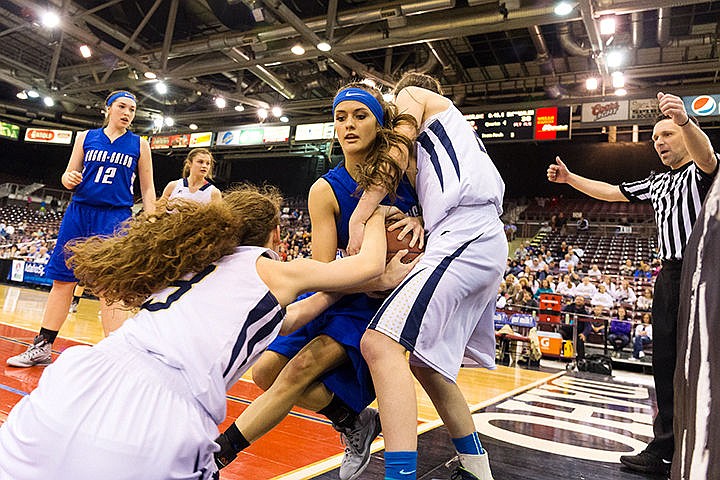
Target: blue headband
[(362, 96), (117, 95)]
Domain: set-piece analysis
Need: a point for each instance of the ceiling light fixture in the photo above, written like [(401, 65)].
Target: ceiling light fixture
[(220, 102), (169, 121), (615, 59), (150, 75), (591, 83), (49, 19), (618, 80), (298, 49), (276, 111), (620, 92), (85, 51), (239, 107), (48, 101), (607, 25), (158, 122), (284, 119), (262, 113), (324, 46), (22, 95), (563, 8), (161, 88), (193, 126), (33, 94)]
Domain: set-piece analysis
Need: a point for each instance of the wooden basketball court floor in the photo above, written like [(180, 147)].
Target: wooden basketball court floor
[(526, 418)]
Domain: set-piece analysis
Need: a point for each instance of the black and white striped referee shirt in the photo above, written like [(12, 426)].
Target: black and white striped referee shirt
[(676, 197)]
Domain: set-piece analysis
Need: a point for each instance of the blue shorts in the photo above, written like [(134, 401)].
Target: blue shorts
[(82, 221), (345, 322)]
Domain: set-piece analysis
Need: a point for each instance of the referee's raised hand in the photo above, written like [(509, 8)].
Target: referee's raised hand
[(673, 107), (558, 172)]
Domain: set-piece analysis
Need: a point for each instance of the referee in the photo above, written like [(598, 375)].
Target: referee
[(676, 197)]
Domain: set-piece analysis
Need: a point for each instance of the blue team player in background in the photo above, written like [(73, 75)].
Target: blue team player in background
[(101, 171), (320, 366)]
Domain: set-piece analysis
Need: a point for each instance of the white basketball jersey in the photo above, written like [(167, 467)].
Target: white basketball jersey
[(453, 168), (201, 195), (212, 325)]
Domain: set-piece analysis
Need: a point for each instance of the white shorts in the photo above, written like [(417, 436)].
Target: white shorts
[(444, 309), (111, 413)]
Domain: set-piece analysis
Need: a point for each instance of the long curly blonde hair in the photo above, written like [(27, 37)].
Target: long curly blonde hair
[(379, 168), (154, 250)]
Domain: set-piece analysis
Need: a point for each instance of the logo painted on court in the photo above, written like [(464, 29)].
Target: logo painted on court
[(704, 105)]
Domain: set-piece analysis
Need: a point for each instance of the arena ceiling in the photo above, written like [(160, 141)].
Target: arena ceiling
[(486, 53)]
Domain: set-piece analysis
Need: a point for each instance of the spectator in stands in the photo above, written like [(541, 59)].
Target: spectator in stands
[(552, 223), (655, 267), (544, 288), (625, 294), (528, 304), (42, 255), (502, 298), (575, 255), (586, 289), (561, 222), (643, 271), (578, 312), (565, 288), (627, 269), (510, 229), (101, 170), (643, 336), (620, 330), (562, 250), (602, 298), (645, 301), (574, 275), (545, 272), (582, 224), (565, 263), (595, 272), (514, 268), (609, 285), (598, 323)]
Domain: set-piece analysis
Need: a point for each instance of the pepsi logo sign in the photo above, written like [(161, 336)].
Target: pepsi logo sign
[(704, 105)]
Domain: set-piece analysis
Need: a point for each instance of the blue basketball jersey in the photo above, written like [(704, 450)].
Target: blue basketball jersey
[(346, 321), (344, 187), (108, 170)]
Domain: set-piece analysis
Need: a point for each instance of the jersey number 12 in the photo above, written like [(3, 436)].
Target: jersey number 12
[(107, 176)]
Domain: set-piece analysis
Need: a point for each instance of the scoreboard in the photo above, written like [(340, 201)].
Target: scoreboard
[(547, 123)]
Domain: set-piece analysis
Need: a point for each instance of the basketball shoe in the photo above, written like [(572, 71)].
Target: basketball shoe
[(357, 440), (472, 467), (39, 353), (646, 462)]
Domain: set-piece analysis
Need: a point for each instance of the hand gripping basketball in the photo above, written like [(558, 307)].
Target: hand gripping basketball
[(394, 245)]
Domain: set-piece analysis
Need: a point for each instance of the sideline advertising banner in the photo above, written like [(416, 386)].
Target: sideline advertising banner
[(47, 135), (613, 111)]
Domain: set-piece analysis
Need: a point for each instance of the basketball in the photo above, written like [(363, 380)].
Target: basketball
[(394, 245)]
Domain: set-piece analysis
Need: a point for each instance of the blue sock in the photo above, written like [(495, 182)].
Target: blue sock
[(469, 445), (400, 465)]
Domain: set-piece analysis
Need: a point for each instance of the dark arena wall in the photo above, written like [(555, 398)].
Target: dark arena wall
[(522, 165)]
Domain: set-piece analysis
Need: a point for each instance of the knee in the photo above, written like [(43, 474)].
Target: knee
[(266, 370), (376, 346), (299, 372)]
